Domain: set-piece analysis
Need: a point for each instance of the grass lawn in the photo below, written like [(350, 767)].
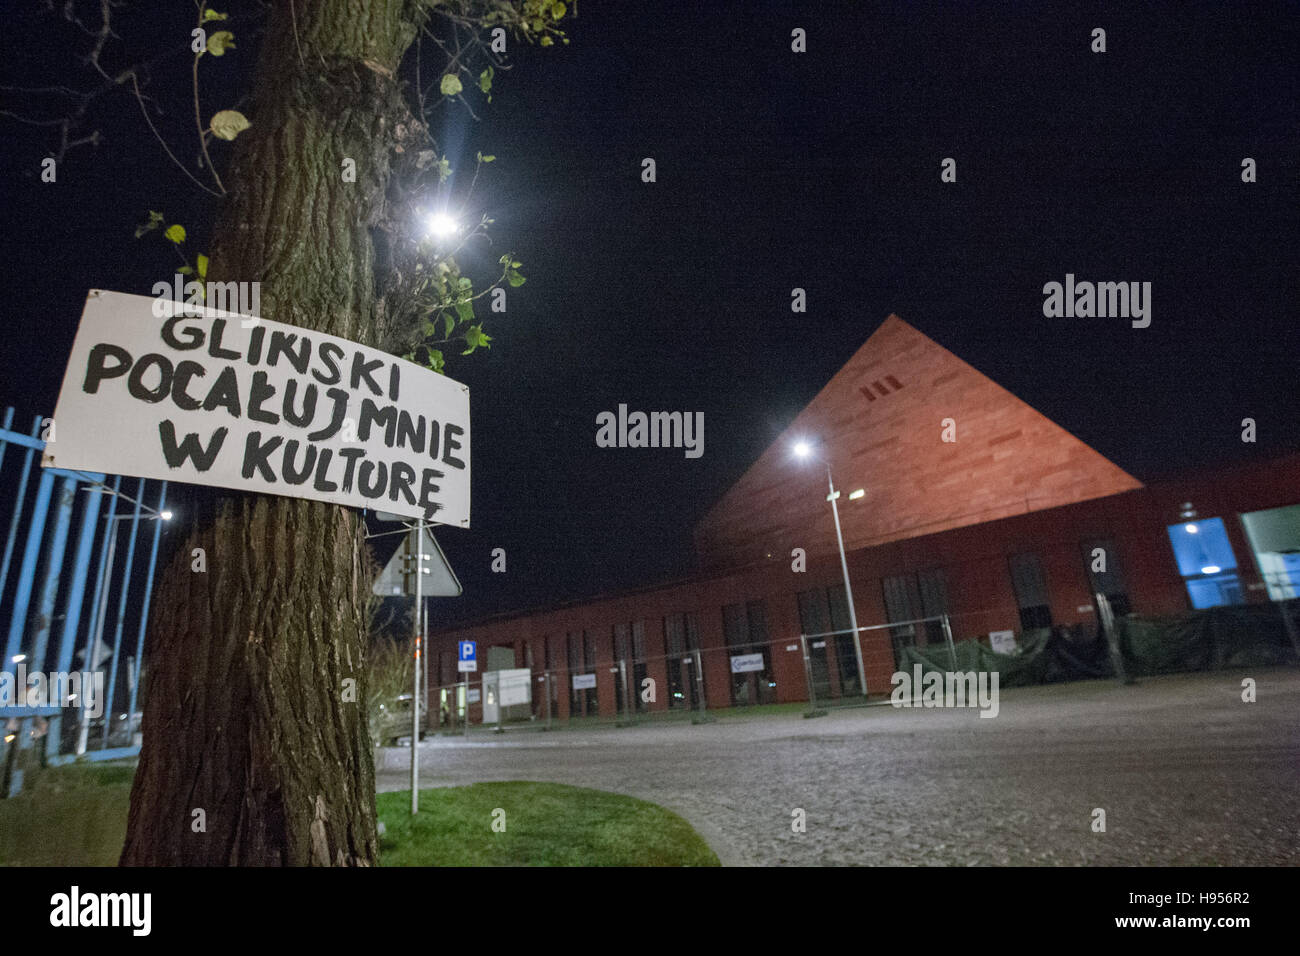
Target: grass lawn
[(546, 824), (73, 815), (76, 816)]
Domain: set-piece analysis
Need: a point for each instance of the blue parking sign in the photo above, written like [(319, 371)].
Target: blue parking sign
[(466, 650), (466, 654)]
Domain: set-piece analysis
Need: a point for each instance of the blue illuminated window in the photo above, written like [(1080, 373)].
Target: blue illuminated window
[(1206, 562)]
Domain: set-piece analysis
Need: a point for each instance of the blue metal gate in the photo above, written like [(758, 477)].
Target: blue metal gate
[(63, 606)]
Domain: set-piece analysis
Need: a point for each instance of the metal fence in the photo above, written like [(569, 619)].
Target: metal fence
[(76, 581), (809, 672)]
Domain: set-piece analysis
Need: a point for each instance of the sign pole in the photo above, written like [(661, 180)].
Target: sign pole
[(415, 695)]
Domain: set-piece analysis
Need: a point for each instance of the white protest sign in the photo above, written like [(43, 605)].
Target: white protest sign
[(584, 681), (158, 389)]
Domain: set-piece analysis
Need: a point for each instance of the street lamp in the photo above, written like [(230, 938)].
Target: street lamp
[(442, 225), (803, 450)]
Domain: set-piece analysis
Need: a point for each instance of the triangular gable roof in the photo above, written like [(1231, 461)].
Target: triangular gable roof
[(879, 421)]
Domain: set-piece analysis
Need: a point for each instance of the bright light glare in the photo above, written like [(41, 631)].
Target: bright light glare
[(166, 516), (855, 495), (1211, 569), (1191, 528), (802, 449), (19, 658), (442, 225)]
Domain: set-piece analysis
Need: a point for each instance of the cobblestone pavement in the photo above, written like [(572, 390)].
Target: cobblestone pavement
[(1187, 773)]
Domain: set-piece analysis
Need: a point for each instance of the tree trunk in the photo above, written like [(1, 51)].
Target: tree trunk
[(246, 715)]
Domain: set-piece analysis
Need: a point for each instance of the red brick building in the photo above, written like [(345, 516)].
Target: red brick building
[(958, 499)]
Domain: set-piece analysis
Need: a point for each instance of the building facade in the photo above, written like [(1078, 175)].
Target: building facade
[(959, 502)]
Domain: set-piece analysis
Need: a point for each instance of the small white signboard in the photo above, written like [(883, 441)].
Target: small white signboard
[(515, 687), (474, 695), (744, 663), (1002, 642), (584, 681)]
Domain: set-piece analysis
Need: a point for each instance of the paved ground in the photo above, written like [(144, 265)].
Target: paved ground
[(1187, 773)]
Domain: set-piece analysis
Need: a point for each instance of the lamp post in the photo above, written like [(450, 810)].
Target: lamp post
[(804, 450)]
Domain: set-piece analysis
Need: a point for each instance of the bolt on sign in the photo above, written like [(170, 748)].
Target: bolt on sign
[(161, 389)]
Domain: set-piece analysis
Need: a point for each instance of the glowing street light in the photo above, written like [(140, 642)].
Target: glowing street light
[(442, 225), (803, 449)]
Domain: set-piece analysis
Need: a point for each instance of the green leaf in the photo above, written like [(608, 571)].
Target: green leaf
[(448, 323), (220, 42), (464, 283), (176, 234), (436, 361), (450, 85), (186, 270), (155, 218), (485, 79), (465, 310), (213, 15), (557, 10), (546, 41), (486, 159), (228, 124), (515, 279)]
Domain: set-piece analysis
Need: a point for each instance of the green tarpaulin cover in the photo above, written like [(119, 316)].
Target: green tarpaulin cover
[(1238, 636)]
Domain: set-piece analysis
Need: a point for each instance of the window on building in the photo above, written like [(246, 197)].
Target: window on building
[(681, 638), (831, 655), (1274, 537), (1206, 562), (553, 663), (639, 665), (744, 628), (622, 648), (1030, 585), (909, 600), (580, 701), (1106, 574)]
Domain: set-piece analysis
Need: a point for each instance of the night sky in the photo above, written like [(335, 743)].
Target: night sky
[(775, 170)]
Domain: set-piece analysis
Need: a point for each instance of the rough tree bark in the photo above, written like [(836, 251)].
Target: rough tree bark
[(245, 716)]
